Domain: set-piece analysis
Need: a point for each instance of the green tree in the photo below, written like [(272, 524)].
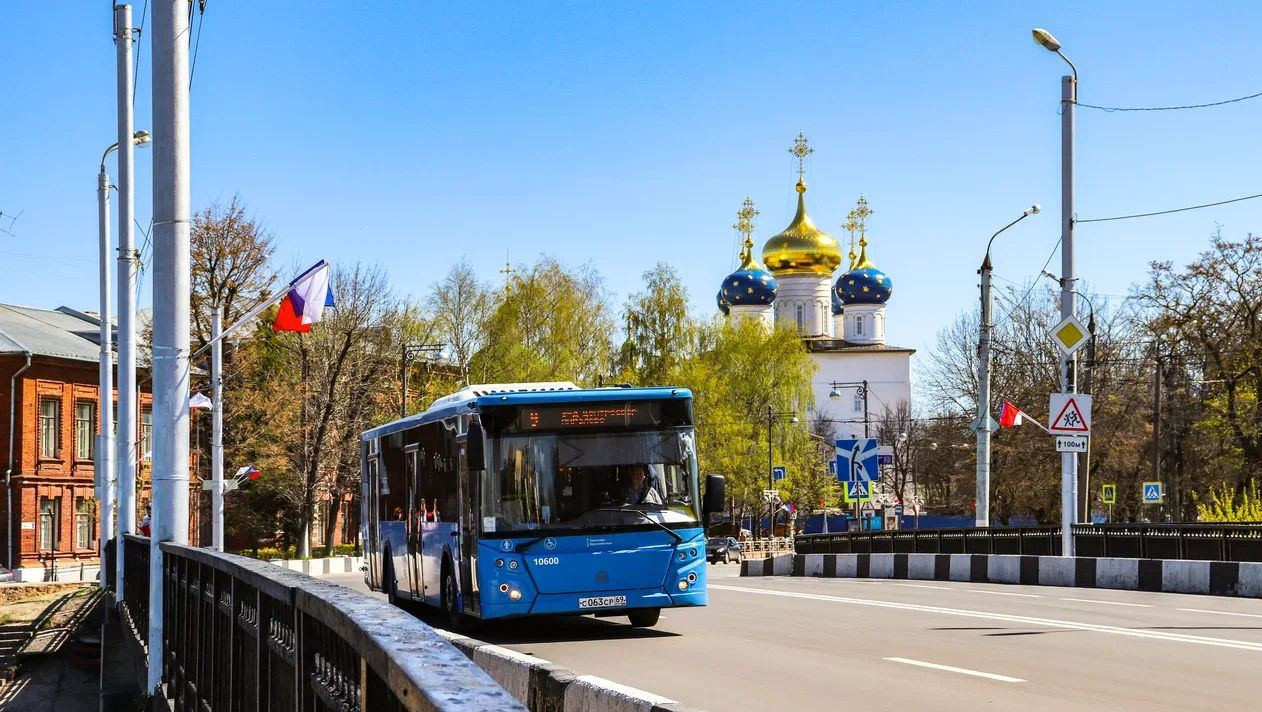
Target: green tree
[(657, 328), (736, 372), (552, 323), (1225, 505)]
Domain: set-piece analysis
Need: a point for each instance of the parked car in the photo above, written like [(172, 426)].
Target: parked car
[(722, 548)]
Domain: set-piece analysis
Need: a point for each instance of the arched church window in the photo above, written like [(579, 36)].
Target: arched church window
[(858, 326), (800, 317)]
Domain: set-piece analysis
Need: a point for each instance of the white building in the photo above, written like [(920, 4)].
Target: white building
[(842, 320)]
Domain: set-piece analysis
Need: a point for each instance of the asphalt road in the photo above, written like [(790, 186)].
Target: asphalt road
[(861, 644)]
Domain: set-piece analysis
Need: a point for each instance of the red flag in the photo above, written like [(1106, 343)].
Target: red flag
[(287, 318), (1009, 415)]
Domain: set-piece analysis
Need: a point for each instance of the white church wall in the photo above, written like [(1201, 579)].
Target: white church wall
[(809, 295), (888, 374)]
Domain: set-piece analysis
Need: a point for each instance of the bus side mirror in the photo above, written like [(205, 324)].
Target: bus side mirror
[(715, 497), (474, 456)]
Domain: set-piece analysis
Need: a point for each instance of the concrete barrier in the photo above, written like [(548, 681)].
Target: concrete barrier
[(544, 687), (1219, 578), (322, 567)]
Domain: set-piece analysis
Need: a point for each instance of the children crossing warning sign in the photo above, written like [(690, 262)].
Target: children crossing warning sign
[(1070, 414)]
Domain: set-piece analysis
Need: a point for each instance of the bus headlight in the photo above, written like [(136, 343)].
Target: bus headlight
[(514, 594), (692, 552), (692, 578), (683, 584), (499, 563), (503, 588), (512, 565), (681, 556)]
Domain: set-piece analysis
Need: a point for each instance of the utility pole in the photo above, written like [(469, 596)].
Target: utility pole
[(771, 481), (170, 306), (125, 464), (1088, 387), (103, 465), (1156, 421), (1068, 460), (984, 425), (1068, 102), (216, 428)]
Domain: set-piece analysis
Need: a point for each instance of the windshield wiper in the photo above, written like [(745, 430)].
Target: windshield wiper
[(678, 539), (521, 548)]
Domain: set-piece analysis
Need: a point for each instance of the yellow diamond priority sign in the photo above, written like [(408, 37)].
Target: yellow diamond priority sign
[(1070, 334)]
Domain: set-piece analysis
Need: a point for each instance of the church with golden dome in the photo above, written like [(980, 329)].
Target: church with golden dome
[(837, 303)]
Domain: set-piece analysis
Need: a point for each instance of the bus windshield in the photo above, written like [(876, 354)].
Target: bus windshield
[(590, 481)]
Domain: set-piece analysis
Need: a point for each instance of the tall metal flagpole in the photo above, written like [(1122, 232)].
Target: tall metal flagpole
[(1068, 460), (170, 305), (216, 429), (102, 467), (125, 458)]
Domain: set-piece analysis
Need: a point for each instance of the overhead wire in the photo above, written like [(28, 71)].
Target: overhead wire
[(1167, 212), (1111, 109), (140, 31)]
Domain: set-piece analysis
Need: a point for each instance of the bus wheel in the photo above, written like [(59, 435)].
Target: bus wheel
[(455, 619), (645, 617)]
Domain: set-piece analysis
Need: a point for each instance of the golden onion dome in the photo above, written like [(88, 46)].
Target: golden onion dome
[(801, 248)]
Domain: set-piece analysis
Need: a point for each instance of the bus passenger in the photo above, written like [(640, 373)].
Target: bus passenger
[(640, 489)]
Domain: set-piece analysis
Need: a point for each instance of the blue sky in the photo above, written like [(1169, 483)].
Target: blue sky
[(410, 135)]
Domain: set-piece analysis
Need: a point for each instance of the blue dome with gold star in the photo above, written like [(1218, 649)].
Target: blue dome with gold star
[(751, 285), (836, 302), (722, 301), (864, 285)]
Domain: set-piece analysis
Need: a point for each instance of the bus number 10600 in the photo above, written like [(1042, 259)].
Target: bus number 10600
[(546, 561)]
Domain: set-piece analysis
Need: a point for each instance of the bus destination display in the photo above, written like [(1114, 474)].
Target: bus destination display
[(595, 415)]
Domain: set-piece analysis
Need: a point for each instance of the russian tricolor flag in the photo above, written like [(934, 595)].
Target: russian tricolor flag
[(304, 305)]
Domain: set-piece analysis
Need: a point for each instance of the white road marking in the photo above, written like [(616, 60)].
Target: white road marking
[(1220, 613), (1009, 618), (1004, 593), (923, 585), (1108, 603), (962, 671)]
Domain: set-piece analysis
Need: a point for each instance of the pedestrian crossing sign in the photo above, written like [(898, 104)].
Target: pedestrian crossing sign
[(1154, 493), (857, 491), (1108, 494)]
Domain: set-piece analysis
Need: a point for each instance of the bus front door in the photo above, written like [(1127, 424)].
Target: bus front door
[(416, 515)]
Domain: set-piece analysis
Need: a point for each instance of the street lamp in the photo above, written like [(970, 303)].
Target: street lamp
[(409, 354), (772, 416), (984, 425), (1069, 100), (861, 390), (103, 462)]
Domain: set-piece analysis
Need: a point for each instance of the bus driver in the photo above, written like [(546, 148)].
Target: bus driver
[(640, 489)]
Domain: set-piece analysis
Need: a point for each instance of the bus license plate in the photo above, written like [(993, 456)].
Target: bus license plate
[(602, 602)]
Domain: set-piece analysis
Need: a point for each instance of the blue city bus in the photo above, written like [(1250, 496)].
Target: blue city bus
[(513, 500)]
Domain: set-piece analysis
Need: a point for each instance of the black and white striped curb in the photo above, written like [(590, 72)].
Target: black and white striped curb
[(1219, 578), (544, 687)]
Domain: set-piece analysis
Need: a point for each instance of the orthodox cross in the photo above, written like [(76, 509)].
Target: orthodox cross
[(861, 214), (507, 271), (801, 149), (745, 221)]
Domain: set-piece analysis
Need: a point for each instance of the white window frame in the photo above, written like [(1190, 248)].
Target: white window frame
[(49, 516), (84, 431), (84, 518), (50, 429), (858, 325)]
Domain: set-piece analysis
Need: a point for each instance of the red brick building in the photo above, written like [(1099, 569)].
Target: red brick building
[(50, 530)]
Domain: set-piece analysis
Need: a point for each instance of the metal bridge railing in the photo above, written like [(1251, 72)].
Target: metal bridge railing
[(1206, 542), (243, 635)]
